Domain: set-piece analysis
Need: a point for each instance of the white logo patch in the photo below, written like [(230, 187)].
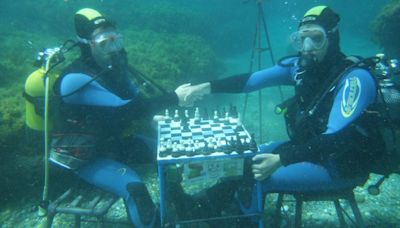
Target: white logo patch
[(350, 96)]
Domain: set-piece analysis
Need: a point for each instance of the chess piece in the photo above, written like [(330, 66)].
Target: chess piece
[(215, 117), (163, 152), (176, 115), (175, 152), (186, 113), (185, 122), (226, 119), (167, 117), (239, 145), (197, 116), (253, 145)]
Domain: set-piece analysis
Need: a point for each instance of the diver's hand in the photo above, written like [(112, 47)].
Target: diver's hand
[(189, 94), (158, 118), (196, 92), (182, 92), (265, 165)]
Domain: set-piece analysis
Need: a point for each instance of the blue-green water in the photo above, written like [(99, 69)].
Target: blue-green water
[(174, 41)]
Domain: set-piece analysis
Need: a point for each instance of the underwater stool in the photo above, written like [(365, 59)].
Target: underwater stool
[(81, 203), (334, 196)]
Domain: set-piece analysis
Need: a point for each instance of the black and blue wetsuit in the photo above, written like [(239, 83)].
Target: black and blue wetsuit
[(94, 107), (332, 149)]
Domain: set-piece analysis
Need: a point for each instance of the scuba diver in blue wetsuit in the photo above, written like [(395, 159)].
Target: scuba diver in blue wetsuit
[(96, 100), (334, 142)]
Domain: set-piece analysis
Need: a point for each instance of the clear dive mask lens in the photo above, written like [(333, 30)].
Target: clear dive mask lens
[(108, 42), (308, 39)]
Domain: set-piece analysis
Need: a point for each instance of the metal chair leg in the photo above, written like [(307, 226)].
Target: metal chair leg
[(299, 211), (356, 211), (278, 216), (339, 213)]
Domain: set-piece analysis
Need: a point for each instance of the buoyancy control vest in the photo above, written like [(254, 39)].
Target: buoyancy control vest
[(83, 118), (303, 120)]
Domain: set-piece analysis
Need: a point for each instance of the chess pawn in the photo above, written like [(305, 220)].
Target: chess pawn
[(197, 116), (210, 148), (186, 113), (253, 145), (176, 115), (175, 150), (239, 145), (167, 117), (226, 119), (215, 118), (163, 151)]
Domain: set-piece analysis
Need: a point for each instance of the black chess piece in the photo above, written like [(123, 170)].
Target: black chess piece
[(239, 145), (253, 145), (185, 124)]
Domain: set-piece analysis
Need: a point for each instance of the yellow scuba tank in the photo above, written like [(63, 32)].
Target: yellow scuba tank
[(35, 90), (34, 93)]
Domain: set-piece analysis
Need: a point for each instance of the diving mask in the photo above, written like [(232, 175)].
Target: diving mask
[(107, 42), (308, 39)]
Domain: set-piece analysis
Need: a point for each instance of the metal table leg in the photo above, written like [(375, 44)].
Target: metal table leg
[(161, 177), (260, 205)]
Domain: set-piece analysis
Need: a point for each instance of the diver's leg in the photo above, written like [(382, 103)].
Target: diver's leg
[(300, 177), (119, 179)]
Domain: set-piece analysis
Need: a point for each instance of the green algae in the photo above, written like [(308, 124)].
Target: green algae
[(385, 29)]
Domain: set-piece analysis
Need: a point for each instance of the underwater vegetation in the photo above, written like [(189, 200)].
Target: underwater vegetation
[(386, 29), (171, 59)]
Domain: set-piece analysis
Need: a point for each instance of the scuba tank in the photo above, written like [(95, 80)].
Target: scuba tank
[(387, 72), (34, 91)]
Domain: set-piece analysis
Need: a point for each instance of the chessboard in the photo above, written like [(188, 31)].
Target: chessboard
[(181, 136)]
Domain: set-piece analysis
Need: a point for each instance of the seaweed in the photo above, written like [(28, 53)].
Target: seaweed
[(386, 29)]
